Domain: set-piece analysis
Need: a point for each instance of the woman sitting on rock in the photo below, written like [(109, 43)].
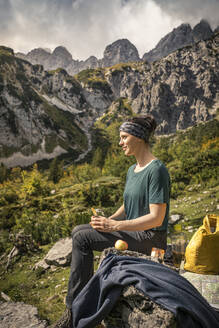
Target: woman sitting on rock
[(142, 219)]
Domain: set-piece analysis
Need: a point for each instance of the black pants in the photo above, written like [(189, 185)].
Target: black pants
[(85, 240)]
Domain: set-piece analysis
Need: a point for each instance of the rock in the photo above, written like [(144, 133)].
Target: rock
[(180, 37), (134, 309), (175, 218), (202, 31), (36, 56), (120, 51), (41, 264), (58, 255), (177, 38), (20, 315), (5, 297), (207, 285)]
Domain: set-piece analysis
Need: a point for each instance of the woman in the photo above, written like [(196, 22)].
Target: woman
[(141, 220)]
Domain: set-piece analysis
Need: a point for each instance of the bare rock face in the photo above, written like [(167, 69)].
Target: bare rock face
[(20, 315), (117, 52), (59, 58), (36, 56), (134, 309), (177, 38), (180, 37), (120, 51), (202, 31)]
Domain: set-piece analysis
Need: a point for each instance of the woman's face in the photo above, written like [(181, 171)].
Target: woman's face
[(129, 143)]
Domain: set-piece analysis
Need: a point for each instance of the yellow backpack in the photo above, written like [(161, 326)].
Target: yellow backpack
[(202, 252)]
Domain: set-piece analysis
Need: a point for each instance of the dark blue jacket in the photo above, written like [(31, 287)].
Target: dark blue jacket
[(163, 285)]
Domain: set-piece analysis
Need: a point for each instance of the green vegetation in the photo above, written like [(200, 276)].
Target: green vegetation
[(48, 204), (6, 55), (119, 110), (95, 79), (45, 290), (57, 71), (90, 74), (6, 51), (127, 67)]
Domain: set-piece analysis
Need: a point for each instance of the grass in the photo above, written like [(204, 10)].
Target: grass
[(194, 205), (45, 290)]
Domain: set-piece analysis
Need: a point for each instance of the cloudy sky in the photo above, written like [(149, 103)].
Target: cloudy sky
[(86, 27)]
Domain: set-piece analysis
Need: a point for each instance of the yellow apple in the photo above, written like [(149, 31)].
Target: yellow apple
[(121, 245)]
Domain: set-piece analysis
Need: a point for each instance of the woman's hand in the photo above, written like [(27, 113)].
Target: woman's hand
[(101, 223)]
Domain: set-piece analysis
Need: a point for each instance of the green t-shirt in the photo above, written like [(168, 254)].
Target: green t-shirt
[(149, 186)]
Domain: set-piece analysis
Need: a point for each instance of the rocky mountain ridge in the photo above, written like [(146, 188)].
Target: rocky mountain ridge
[(180, 37), (120, 51), (46, 114)]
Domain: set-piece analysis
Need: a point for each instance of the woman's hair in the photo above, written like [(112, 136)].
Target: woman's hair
[(147, 122)]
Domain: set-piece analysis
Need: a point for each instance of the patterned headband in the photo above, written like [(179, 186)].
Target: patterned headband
[(136, 130)]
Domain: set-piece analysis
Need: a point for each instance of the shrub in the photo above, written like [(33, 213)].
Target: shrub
[(11, 196), (34, 184)]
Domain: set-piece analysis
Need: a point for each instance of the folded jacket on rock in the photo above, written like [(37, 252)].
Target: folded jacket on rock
[(163, 285)]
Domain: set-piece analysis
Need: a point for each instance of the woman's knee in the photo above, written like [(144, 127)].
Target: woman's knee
[(81, 238), (79, 227)]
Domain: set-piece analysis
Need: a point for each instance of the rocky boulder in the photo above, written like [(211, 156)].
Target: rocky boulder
[(59, 255), (20, 315), (133, 308), (136, 310)]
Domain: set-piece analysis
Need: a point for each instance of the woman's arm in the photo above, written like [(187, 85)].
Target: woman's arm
[(153, 219), (119, 214)]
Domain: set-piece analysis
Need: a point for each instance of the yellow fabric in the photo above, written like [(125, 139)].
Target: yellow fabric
[(202, 252)]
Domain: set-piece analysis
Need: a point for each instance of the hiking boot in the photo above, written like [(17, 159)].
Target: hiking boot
[(65, 321)]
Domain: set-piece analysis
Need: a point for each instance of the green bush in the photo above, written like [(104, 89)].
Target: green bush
[(44, 227), (34, 184), (11, 197)]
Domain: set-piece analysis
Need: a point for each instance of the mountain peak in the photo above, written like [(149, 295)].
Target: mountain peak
[(120, 51), (61, 51), (202, 31), (179, 37)]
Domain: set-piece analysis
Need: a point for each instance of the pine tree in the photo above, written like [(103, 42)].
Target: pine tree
[(98, 158), (56, 170)]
